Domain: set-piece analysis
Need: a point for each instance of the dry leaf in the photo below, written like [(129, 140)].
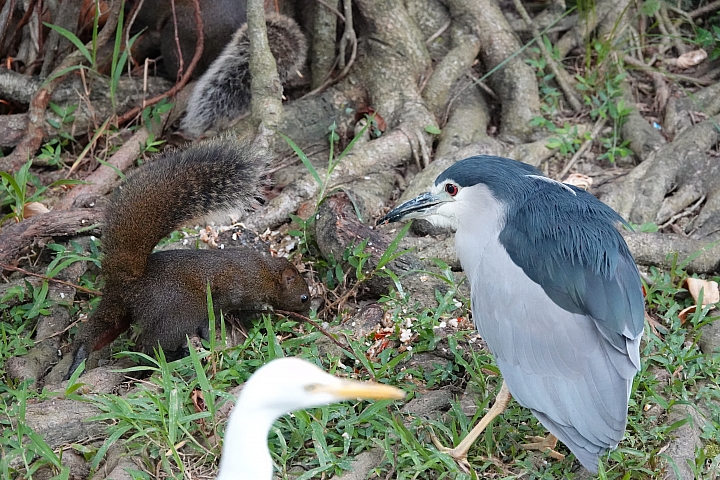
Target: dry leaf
[(579, 180), (34, 208), (685, 313), (711, 293), (690, 59), (209, 236)]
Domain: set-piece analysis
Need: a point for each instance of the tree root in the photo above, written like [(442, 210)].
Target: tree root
[(643, 138), (682, 168), (322, 53), (16, 239), (91, 109), (36, 114), (456, 63), (338, 228), (393, 62), (265, 88), (515, 81)]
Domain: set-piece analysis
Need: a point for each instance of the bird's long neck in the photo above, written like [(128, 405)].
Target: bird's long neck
[(477, 234), (245, 453)]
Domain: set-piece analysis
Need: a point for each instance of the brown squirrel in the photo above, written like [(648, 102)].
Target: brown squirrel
[(165, 292), (155, 19), (223, 92)]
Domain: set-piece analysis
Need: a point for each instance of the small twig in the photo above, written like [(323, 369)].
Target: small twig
[(348, 37), (440, 31), (57, 334), (50, 279), (670, 29), (674, 76), (181, 64), (199, 45), (5, 16), (23, 21), (133, 15), (413, 145), (710, 7), (599, 125), (32, 140), (684, 213), (314, 324), (683, 15), (560, 75), (332, 9), (349, 33), (424, 150)]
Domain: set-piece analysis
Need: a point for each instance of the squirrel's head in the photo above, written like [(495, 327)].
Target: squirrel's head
[(295, 295)]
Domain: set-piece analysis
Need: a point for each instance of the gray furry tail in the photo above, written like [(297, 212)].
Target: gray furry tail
[(223, 92)]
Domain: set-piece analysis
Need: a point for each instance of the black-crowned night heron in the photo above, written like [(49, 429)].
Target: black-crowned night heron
[(281, 386), (555, 294)]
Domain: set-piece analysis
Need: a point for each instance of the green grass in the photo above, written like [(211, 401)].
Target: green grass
[(159, 421), (162, 423)]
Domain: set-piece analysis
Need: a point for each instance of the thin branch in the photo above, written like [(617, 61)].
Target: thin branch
[(440, 31), (332, 9), (560, 74), (32, 140), (133, 15), (181, 63), (5, 16), (687, 211), (676, 37), (673, 76), (349, 33), (50, 279), (710, 7), (599, 125), (314, 324), (199, 45), (23, 21)]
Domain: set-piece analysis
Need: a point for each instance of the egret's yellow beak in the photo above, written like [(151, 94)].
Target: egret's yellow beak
[(351, 390)]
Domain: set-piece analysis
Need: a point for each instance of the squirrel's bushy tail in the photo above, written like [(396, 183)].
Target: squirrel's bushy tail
[(177, 187), (223, 92)]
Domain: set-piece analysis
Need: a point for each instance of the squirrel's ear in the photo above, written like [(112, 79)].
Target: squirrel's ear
[(289, 276)]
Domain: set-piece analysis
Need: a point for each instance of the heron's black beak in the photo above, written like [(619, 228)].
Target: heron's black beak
[(420, 206)]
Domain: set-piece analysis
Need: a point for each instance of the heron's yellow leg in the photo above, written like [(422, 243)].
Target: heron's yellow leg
[(460, 452), (544, 444)]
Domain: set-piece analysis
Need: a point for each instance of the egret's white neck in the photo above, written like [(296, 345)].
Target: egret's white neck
[(245, 453)]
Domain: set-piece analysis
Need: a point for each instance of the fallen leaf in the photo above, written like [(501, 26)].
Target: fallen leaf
[(579, 180), (685, 313), (711, 293), (690, 59), (371, 112), (34, 208)]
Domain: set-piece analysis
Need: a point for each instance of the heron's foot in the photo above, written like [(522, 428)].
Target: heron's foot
[(459, 456), (544, 444)]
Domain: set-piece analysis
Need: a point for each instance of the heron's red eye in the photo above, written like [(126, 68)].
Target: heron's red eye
[(451, 189)]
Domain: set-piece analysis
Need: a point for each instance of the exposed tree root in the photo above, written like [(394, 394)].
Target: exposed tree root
[(514, 81), (658, 249), (673, 178), (15, 239)]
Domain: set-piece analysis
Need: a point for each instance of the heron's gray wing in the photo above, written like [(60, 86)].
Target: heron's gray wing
[(555, 362), (568, 347), (565, 240)]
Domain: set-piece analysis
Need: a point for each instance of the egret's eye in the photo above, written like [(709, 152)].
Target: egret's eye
[(451, 189), (310, 387)]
